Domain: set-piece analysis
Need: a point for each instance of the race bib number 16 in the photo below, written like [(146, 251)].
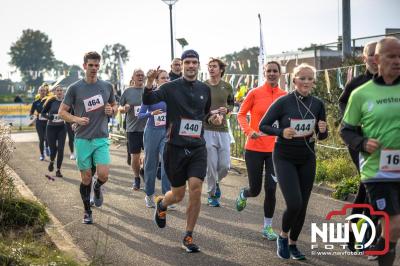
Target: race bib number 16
[(190, 128), (93, 103), (390, 161)]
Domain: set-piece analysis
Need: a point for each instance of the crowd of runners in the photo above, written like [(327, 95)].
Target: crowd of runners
[(181, 125)]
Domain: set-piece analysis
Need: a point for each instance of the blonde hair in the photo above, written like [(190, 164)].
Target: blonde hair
[(302, 66)]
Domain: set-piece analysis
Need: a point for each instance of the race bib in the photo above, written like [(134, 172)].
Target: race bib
[(93, 103), (190, 128), (136, 110), (274, 125), (303, 127), (160, 119), (390, 161), (41, 117), (57, 119)]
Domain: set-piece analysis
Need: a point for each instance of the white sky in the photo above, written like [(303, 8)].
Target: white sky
[(212, 27)]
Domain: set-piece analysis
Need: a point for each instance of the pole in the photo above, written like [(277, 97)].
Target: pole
[(172, 37), (346, 46)]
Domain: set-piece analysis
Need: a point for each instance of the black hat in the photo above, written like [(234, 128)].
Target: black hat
[(189, 53)]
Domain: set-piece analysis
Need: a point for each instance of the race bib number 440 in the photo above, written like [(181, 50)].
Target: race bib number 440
[(390, 161), (303, 127), (93, 103), (190, 128)]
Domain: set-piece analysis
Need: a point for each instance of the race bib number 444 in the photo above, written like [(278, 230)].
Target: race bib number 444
[(190, 128), (303, 127), (390, 161), (93, 103)]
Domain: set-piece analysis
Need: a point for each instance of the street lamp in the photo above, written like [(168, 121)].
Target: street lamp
[(182, 42), (170, 3)]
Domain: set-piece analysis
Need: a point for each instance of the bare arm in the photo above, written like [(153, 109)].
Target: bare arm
[(63, 112)]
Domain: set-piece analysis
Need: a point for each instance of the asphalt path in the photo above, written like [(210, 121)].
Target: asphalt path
[(124, 233)]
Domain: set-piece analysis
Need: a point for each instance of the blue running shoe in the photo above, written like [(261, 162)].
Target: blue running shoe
[(41, 157), (98, 197), (213, 201), (136, 184), (295, 253), (282, 248), (218, 191), (47, 151)]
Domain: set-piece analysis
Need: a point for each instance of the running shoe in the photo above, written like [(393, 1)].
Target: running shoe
[(87, 218), (149, 201), (41, 157), (218, 191), (72, 156), (98, 197), (160, 216), (136, 184), (91, 202), (295, 253), (47, 151), (58, 173), (213, 201), (189, 246), (282, 248), (51, 167), (141, 172), (269, 233), (240, 202)]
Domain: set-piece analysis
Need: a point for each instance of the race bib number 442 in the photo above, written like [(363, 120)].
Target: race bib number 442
[(160, 119), (190, 128), (390, 161), (303, 127), (93, 103)]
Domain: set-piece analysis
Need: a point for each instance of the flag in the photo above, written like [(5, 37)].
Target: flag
[(120, 74), (328, 82), (261, 56)]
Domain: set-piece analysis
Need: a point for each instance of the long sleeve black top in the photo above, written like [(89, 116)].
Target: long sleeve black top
[(185, 100), (286, 108)]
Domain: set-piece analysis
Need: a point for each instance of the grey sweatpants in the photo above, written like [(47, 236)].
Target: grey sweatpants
[(218, 146)]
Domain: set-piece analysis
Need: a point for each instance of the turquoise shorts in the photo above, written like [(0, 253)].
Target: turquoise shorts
[(92, 152)]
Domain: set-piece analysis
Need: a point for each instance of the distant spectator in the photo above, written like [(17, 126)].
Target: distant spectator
[(18, 99)]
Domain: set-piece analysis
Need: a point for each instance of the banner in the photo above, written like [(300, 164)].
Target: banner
[(261, 56), (16, 114)]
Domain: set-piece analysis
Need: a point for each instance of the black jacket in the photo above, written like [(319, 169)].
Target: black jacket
[(184, 99)]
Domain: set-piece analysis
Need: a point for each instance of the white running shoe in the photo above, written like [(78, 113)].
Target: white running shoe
[(72, 157), (150, 201)]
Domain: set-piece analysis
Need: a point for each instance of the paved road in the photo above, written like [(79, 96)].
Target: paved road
[(124, 233)]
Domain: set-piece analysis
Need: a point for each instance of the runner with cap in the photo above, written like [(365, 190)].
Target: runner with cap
[(185, 156)]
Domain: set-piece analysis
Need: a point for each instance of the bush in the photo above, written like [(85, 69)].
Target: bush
[(346, 186), (18, 212), (334, 170)]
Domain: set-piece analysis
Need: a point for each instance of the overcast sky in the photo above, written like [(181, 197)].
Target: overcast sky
[(212, 27)]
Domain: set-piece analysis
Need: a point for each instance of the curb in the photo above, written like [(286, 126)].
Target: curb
[(54, 229)]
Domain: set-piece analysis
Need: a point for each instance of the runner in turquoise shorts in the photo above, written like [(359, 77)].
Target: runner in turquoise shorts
[(93, 101)]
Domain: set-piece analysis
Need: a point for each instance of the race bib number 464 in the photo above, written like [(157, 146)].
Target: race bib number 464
[(93, 103), (390, 161), (190, 128), (303, 127)]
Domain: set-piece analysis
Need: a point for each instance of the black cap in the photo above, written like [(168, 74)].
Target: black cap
[(189, 53)]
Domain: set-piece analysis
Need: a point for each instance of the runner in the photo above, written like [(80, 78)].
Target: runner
[(375, 106), (41, 122), (154, 142), (218, 140), (185, 156), (93, 102), (176, 69), (130, 102), (56, 131), (259, 147), (299, 115), (371, 69)]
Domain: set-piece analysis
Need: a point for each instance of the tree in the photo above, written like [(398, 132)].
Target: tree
[(110, 60), (32, 54)]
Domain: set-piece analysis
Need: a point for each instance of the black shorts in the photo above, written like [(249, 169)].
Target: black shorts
[(384, 196), (135, 142), (181, 163)]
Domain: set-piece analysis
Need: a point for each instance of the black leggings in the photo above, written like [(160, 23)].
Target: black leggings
[(56, 136), (255, 163), (71, 137), (41, 131), (296, 182)]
